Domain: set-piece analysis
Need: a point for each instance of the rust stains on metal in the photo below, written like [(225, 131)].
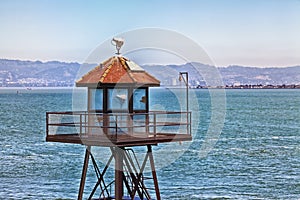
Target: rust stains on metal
[(117, 70)]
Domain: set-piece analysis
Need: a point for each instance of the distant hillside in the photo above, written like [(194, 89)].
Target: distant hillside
[(264, 76), (30, 74), (54, 73), (230, 75)]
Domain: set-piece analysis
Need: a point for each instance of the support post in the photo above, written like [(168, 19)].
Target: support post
[(153, 172), (84, 171), (186, 81), (119, 154)]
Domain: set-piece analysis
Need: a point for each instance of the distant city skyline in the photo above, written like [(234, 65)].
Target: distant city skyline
[(259, 33)]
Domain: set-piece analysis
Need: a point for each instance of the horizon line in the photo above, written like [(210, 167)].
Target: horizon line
[(150, 64)]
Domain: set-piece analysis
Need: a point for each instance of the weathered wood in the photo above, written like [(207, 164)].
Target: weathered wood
[(120, 140), (119, 156), (84, 171), (153, 172)]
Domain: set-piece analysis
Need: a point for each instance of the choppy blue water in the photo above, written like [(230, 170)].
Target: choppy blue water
[(256, 157)]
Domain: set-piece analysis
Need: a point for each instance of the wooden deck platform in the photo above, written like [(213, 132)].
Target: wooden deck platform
[(118, 129), (119, 140)]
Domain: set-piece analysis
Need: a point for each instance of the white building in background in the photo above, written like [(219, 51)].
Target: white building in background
[(174, 81), (236, 84)]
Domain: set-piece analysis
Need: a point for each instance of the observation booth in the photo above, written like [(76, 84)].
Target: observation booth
[(118, 117)]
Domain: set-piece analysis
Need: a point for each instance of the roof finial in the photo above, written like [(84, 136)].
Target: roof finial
[(118, 43)]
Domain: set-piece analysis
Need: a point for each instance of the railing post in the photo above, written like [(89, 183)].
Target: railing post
[(190, 122), (85, 122), (105, 123), (116, 122), (47, 122), (80, 122), (129, 123), (187, 122), (154, 124), (147, 123)]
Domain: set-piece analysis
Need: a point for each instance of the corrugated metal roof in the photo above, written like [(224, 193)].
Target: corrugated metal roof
[(117, 70)]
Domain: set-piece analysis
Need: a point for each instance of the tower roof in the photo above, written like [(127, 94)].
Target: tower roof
[(117, 70)]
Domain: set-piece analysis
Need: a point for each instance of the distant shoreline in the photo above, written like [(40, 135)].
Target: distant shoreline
[(28, 88), (260, 86)]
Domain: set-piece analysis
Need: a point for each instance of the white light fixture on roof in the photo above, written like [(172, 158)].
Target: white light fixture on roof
[(118, 43)]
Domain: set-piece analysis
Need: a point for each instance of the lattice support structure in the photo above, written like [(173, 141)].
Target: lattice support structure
[(129, 175)]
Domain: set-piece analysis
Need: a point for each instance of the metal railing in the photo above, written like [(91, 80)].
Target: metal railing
[(93, 123)]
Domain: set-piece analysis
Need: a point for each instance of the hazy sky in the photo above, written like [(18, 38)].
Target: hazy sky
[(245, 32)]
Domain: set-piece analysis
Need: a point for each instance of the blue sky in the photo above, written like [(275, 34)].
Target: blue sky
[(262, 33)]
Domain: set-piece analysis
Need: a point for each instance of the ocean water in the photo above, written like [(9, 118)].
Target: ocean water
[(256, 156)]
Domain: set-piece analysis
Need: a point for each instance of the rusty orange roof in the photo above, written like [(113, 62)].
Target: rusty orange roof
[(117, 70)]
